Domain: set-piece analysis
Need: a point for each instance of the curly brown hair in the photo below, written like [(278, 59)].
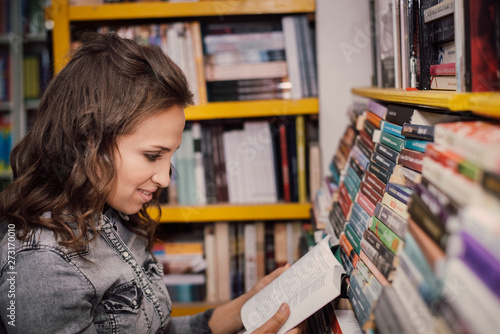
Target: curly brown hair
[(65, 164)]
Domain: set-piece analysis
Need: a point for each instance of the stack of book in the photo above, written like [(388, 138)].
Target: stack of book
[(439, 23), (404, 215)]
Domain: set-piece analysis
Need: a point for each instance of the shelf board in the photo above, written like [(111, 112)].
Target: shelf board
[(32, 103), (150, 10), (260, 108), (232, 212), (440, 99), (483, 104), (183, 309), (6, 174)]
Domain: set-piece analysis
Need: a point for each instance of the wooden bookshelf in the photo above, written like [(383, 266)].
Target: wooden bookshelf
[(148, 10), (261, 108), (232, 212), (484, 104), (183, 309), (62, 14)]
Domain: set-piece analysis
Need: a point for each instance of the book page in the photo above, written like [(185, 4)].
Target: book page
[(309, 284)]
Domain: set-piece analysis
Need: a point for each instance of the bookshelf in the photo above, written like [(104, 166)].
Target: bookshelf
[(65, 17), (224, 212), (484, 104), (25, 37)]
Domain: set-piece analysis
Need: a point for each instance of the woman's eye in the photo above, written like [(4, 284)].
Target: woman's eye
[(152, 157)]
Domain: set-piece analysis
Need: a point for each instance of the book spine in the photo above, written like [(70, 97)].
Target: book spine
[(301, 159), (373, 269), (416, 145), (377, 108), (370, 194), (357, 226), (382, 265), (363, 216), (365, 203), (351, 186), (391, 128), (390, 218), (373, 119), (396, 205), (362, 159), (381, 173), (435, 206), (479, 260), (398, 192), (383, 161), (391, 141), (442, 30), (388, 237), (398, 114), (348, 249), (363, 147), (344, 201), (443, 82), (285, 170), (371, 180), (353, 239), (357, 168), (422, 132), (443, 69), (440, 10), (491, 183), (380, 247), (388, 152), (411, 159)]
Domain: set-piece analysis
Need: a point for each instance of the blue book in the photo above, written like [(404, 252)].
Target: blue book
[(416, 144), (392, 129)]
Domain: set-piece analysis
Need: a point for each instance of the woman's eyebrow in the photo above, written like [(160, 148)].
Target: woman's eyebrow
[(163, 148)]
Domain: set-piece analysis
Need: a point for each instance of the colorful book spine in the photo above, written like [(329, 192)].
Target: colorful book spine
[(377, 108), (381, 173), (371, 180), (411, 159), (373, 196), (363, 216), (370, 237), (388, 152), (391, 128), (394, 221), (388, 237), (397, 206), (354, 240), (391, 141), (399, 192), (417, 131), (301, 158), (365, 203), (383, 161), (416, 144), (382, 265)]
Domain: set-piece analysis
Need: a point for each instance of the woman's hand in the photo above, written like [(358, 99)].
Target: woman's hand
[(278, 319)]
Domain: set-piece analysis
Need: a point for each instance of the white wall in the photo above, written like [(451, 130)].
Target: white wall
[(344, 61)]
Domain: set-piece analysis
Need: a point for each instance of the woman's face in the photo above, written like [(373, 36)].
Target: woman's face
[(143, 159)]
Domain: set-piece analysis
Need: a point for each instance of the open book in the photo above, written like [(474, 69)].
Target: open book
[(308, 285)]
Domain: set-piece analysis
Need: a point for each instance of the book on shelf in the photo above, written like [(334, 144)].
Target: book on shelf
[(443, 82), (441, 9), (318, 277)]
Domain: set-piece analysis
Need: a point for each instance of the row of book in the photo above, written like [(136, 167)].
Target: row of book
[(228, 259), (5, 143), (415, 208), (410, 38), (32, 12), (257, 161), (233, 61), (5, 89)]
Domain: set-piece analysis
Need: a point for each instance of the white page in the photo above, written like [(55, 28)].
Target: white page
[(312, 282)]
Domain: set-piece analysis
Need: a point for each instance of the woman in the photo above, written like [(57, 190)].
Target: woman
[(75, 253)]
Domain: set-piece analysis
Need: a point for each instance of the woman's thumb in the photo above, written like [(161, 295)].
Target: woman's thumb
[(278, 319)]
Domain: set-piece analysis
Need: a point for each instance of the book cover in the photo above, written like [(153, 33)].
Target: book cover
[(396, 205), (365, 203), (416, 144), (390, 314), (443, 82), (391, 128), (382, 265), (399, 192), (381, 173), (373, 196), (391, 141), (442, 30)]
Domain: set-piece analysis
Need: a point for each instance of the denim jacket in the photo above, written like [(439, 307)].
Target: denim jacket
[(46, 288)]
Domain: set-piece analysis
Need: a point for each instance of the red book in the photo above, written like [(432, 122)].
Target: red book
[(443, 69), (344, 200), (411, 159), (445, 157), (365, 203), (284, 164), (374, 182), (366, 139), (373, 118), (373, 196)]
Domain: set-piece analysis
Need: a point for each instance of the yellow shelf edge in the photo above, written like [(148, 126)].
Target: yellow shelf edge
[(441, 99), (124, 11), (260, 108), (486, 104), (232, 212)]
